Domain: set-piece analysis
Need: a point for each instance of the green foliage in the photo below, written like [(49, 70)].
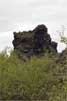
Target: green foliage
[(36, 79), (64, 40)]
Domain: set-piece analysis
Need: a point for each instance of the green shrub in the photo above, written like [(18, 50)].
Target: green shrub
[(35, 79)]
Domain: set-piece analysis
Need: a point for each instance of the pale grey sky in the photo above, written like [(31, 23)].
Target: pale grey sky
[(18, 15)]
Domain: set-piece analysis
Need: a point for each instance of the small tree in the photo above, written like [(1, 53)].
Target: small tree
[(63, 39)]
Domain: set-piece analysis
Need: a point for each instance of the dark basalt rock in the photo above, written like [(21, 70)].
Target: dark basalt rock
[(34, 42), (62, 58)]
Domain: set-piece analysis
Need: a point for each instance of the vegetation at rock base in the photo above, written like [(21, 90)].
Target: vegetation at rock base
[(43, 78)]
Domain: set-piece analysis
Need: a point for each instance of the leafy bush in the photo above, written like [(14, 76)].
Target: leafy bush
[(35, 79)]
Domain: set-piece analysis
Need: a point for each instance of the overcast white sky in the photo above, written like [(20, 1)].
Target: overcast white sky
[(16, 15)]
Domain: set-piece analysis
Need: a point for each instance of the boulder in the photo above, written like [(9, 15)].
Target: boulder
[(35, 42)]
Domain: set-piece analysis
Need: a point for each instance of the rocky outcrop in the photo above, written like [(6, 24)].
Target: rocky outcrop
[(62, 58), (35, 42)]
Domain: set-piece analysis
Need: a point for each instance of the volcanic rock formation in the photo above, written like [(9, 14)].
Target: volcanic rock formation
[(35, 42)]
